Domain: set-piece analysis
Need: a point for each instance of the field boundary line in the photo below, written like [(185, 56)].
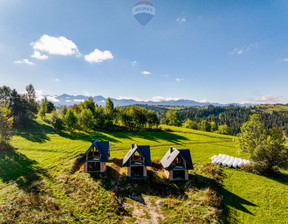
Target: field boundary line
[(192, 133)]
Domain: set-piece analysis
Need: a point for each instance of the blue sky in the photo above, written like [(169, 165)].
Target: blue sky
[(205, 50)]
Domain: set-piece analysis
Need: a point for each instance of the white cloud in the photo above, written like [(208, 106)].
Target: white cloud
[(239, 51), (146, 73), (56, 80), (203, 101), (53, 99), (154, 98), (165, 75), (133, 63), (79, 100), (24, 61), (68, 101), (265, 99), (98, 56), (236, 51), (55, 45), (39, 56), (181, 19), (40, 95), (179, 79), (284, 60), (160, 98)]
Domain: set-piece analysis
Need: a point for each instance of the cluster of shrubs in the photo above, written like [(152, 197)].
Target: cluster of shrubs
[(88, 116)]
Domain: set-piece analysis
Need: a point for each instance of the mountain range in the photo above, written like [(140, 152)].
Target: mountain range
[(69, 100)]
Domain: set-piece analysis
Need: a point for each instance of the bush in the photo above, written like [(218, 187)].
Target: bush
[(267, 148), (190, 124), (56, 121), (223, 129)]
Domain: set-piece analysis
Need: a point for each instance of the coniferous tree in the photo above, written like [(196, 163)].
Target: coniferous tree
[(43, 108)]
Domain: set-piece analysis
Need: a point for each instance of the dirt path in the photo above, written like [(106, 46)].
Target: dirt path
[(146, 210)]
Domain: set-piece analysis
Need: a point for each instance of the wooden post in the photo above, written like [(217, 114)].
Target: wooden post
[(103, 166), (129, 171), (144, 171)]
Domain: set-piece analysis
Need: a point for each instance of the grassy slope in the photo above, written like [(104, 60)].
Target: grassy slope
[(248, 198), (255, 199)]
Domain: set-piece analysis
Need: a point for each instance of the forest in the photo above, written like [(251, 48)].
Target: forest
[(235, 116)]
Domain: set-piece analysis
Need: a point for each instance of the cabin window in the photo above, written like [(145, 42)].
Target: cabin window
[(137, 158), (94, 154), (178, 162)]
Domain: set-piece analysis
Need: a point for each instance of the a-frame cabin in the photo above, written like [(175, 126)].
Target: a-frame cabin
[(96, 157), (177, 163), (136, 160)]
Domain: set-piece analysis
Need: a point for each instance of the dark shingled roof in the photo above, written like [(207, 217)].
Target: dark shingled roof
[(143, 150), (102, 147), (171, 155)]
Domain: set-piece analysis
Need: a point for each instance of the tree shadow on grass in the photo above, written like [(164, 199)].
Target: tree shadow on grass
[(281, 177), (87, 136), (233, 200), (35, 132), (152, 135), (16, 166)]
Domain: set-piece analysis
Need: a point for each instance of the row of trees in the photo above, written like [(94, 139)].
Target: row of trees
[(173, 118), (22, 107), (207, 126), (19, 110), (89, 116)]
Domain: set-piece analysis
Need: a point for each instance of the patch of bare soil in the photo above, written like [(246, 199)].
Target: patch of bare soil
[(144, 210)]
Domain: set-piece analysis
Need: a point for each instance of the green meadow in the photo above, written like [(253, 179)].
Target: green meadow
[(71, 196)]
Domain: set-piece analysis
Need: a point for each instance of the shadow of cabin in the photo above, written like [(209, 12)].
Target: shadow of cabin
[(136, 160), (96, 157)]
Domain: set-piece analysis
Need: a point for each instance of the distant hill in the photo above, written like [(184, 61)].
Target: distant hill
[(69, 100)]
